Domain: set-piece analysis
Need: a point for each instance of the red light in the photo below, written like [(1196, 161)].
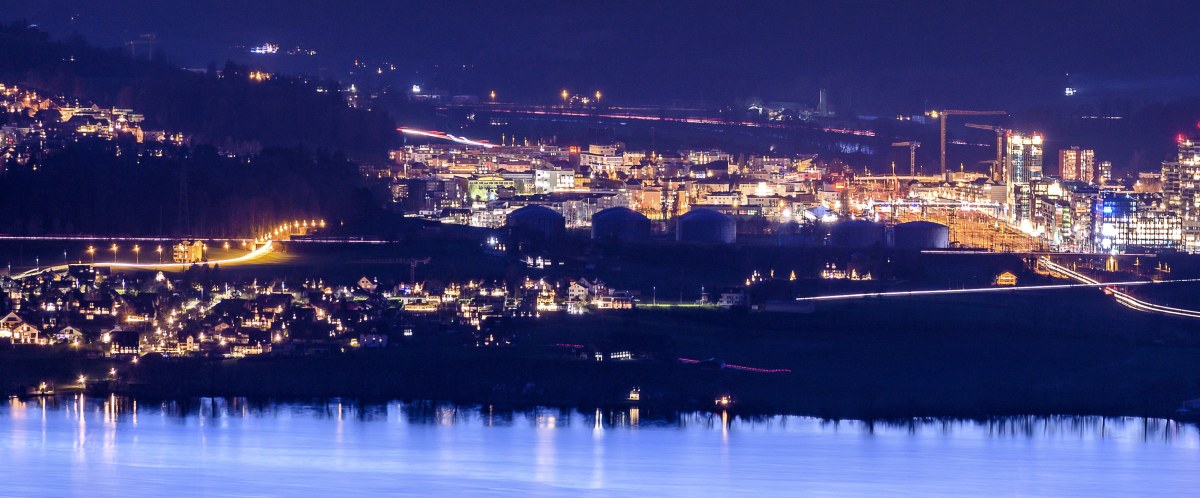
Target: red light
[(1180, 138)]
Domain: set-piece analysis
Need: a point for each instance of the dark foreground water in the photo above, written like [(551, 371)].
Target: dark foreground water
[(78, 446)]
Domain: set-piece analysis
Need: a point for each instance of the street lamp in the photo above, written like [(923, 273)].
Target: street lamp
[(137, 253), (159, 251), (114, 251), (92, 252)]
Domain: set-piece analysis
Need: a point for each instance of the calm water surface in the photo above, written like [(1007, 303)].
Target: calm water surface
[(80, 446)]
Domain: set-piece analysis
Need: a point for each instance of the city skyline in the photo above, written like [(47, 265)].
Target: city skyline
[(612, 249)]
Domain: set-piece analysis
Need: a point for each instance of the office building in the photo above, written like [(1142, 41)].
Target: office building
[(1181, 190), (1023, 162), (1126, 222), (1077, 164)]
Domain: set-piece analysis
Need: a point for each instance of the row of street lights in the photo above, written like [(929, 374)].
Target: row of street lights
[(137, 253)]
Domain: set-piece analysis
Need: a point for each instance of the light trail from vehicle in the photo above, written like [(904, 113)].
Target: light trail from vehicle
[(250, 256), (980, 290), (444, 136), (129, 239), (691, 361), (689, 120), (1121, 297)]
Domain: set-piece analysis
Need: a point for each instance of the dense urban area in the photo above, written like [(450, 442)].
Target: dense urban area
[(186, 256)]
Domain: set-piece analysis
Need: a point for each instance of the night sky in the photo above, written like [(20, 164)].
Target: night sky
[(873, 56)]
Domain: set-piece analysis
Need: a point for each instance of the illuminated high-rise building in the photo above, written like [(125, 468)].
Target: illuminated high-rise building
[(1077, 164), (1023, 162), (1130, 222), (1104, 173), (1181, 190)]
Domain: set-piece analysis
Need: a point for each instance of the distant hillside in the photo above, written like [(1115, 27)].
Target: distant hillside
[(87, 189), (229, 110)]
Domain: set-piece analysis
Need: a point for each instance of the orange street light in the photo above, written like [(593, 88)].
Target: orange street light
[(137, 253), (92, 252), (159, 251)]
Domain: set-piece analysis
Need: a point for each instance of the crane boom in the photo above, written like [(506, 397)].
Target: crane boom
[(944, 114), (1001, 172), (912, 155)]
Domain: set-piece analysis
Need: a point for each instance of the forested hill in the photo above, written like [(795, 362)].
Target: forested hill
[(227, 110), (87, 189)]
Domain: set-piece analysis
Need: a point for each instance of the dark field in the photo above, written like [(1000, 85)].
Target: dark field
[(1064, 352)]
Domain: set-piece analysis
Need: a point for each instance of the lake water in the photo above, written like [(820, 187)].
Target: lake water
[(77, 446)]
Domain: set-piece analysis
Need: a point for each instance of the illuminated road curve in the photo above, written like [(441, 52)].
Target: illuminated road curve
[(250, 256), (108, 237), (981, 290), (444, 136), (1121, 297)]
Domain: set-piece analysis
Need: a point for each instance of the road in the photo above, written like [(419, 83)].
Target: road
[(245, 258), (981, 290), (1121, 297)]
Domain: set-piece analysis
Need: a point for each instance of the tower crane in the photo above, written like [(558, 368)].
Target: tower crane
[(944, 114), (413, 263), (912, 155)]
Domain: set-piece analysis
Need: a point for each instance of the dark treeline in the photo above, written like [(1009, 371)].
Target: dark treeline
[(86, 189), (228, 110)]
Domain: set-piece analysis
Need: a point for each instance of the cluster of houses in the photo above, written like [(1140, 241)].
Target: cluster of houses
[(198, 314), (34, 123)]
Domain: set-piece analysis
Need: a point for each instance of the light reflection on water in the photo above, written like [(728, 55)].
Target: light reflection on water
[(105, 446)]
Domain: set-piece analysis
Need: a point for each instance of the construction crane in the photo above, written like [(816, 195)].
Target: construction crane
[(412, 267), (912, 155), (943, 115), (1000, 134)]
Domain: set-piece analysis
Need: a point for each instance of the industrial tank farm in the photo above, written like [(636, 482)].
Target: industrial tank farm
[(621, 223), (536, 220), (921, 235), (857, 234), (706, 225)]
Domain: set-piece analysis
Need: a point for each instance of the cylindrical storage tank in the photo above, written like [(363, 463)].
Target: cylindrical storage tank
[(536, 220), (857, 233), (706, 225), (621, 223), (921, 235)]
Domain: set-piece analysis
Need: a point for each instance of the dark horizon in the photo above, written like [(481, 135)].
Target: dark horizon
[(873, 57)]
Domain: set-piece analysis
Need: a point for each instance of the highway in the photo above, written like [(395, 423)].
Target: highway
[(444, 136), (689, 120), (1085, 281), (981, 290), (1121, 297)]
